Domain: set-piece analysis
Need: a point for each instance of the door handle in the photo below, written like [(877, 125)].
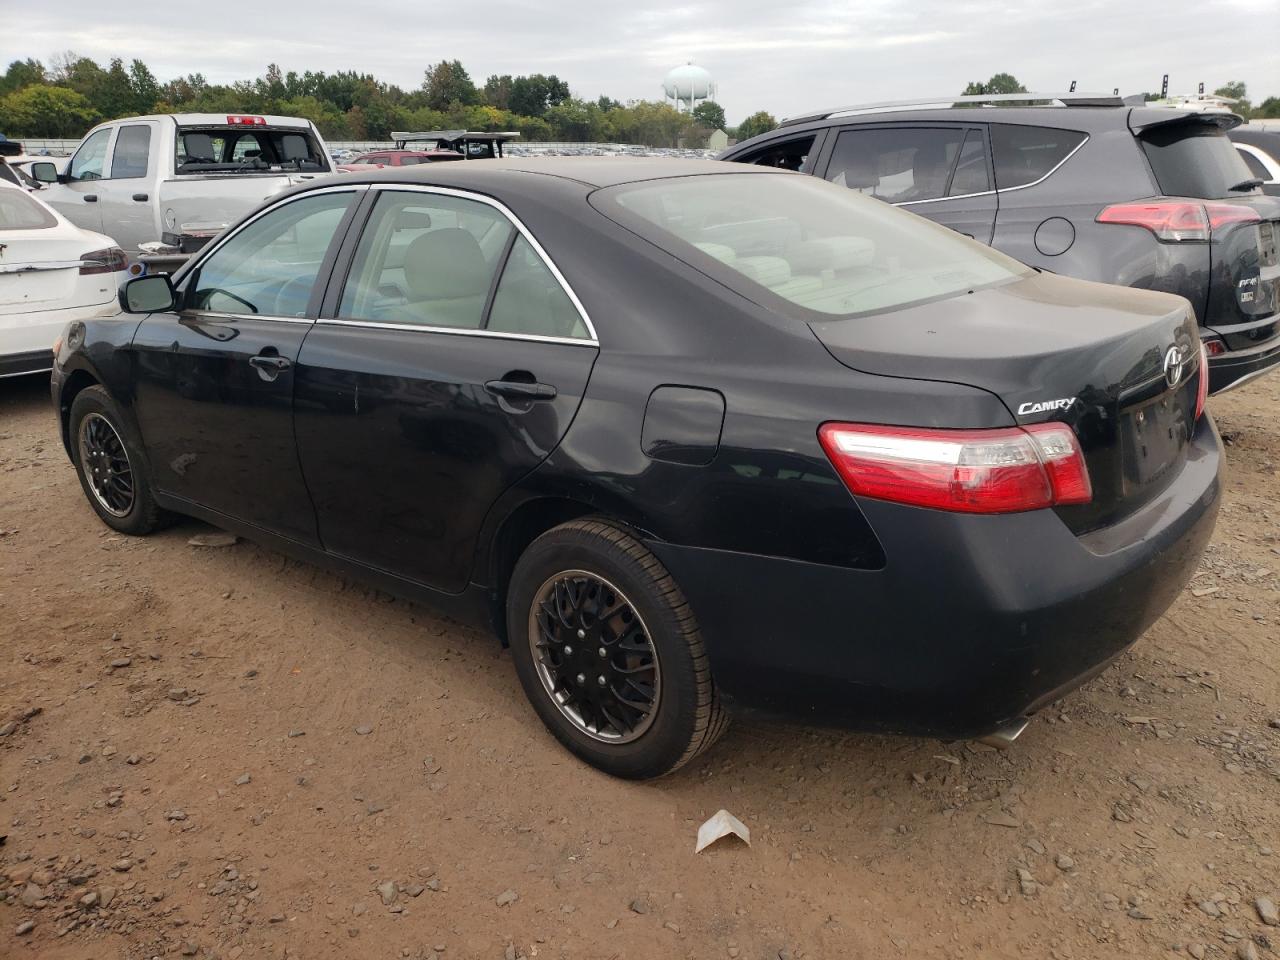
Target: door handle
[(520, 390), (140, 197), (90, 198), (269, 366)]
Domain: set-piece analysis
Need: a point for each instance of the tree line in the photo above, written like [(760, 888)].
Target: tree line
[(70, 94)]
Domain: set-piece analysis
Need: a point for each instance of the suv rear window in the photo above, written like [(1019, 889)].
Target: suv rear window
[(791, 242), (1194, 160), (1024, 155)]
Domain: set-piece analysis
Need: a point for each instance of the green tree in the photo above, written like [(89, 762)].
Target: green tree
[(21, 73), (497, 91), (1237, 91), (1000, 83), (755, 125), (41, 110), (1268, 108), (447, 83), (146, 89), (709, 114), (534, 95)]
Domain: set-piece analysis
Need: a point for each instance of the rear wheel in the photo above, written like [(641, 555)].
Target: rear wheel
[(109, 465), (609, 652)]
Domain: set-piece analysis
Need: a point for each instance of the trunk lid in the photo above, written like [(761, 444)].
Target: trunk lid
[(40, 270), (1244, 284), (1051, 348)]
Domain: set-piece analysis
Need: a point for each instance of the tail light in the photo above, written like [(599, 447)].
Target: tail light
[(969, 471), (1179, 221), (108, 260), (1202, 386)]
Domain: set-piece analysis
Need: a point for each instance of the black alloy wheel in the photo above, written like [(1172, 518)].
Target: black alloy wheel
[(609, 652), (105, 464), (594, 656)]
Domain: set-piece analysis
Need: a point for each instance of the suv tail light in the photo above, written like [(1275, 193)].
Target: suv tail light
[(969, 471), (1179, 221), (108, 260), (1202, 385)]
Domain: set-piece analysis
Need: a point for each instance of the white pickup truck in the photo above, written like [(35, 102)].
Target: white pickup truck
[(162, 186)]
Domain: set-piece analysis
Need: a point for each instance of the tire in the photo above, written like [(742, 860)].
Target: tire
[(593, 563), (100, 441)]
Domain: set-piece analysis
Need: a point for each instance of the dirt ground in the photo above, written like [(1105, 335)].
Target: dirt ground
[(221, 752)]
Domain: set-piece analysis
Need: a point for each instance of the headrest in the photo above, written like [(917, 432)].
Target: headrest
[(445, 264), (766, 271), (198, 145), (294, 147), (722, 252)]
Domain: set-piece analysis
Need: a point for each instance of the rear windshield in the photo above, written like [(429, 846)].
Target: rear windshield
[(248, 150), (19, 212), (793, 241), (1195, 160)]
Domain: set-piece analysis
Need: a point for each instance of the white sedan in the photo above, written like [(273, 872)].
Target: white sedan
[(51, 272)]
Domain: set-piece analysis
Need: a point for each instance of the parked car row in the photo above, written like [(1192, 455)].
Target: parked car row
[(1095, 187)]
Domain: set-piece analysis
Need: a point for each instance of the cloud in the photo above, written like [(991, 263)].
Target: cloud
[(785, 57)]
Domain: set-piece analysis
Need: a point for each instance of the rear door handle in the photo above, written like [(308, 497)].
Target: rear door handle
[(270, 366), (140, 197), (90, 198), (519, 390)]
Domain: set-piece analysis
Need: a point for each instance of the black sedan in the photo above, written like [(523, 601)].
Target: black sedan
[(685, 435)]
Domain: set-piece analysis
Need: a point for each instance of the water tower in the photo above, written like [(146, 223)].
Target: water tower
[(688, 85)]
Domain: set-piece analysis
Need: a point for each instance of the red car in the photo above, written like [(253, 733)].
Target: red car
[(397, 158)]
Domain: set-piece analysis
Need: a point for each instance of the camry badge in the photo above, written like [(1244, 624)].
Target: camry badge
[(1045, 406), (1173, 366)]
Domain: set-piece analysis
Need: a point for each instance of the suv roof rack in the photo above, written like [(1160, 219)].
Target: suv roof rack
[(1063, 99)]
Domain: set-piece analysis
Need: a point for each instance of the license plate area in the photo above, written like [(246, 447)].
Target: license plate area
[(1154, 439)]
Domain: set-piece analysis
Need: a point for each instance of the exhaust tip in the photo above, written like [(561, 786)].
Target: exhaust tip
[(1003, 736)]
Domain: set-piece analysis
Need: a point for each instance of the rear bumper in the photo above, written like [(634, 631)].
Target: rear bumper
[(1237, 367), (972, 621), (26, 339)]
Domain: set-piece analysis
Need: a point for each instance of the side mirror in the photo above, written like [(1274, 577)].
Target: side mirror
[(44, 171), (149, 294)]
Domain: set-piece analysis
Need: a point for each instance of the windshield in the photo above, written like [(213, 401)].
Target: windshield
[(1195, 160), (795, 241), (19, 212), (238, 149)]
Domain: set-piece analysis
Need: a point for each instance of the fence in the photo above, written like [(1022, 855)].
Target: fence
[(64, 148)]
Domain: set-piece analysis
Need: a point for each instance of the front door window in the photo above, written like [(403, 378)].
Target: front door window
[(90, 160)]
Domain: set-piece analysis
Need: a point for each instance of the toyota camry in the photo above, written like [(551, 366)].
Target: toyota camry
[(688, 437)]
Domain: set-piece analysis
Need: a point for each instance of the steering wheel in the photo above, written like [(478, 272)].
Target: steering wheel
[(294, 288), (209, 292)]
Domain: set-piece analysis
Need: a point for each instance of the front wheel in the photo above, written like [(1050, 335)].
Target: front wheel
[(609, 652), (109, 465)]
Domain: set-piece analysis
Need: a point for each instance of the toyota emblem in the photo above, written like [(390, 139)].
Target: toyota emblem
[(1173, 366)]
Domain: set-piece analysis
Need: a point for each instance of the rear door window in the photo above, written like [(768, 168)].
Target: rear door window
[(426, 260), (897, 164), (133, 145), (1194, 159), (1024, 155)]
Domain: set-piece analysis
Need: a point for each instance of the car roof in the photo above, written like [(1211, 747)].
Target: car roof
[(516, 172)]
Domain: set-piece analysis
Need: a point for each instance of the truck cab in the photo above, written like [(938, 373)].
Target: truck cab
[(163, 185)]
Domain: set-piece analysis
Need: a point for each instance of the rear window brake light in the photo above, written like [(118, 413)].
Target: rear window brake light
[(1179, 221), (240, 120), (1005, 470)]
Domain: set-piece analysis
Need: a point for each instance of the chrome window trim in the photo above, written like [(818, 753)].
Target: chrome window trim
[(502, 208), (209, 250), (458, 331), (214, 315), (998, 190)]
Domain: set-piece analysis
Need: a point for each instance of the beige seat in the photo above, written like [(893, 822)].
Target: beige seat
[(447, 279)]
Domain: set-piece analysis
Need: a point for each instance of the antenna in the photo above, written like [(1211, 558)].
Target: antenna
[(1201, 89), (1072, 89), (1164, 87), (1115, 92)]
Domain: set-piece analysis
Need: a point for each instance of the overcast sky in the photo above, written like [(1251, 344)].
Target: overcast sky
[(784, 56)]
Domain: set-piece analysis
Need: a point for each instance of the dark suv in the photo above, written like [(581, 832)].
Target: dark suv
[(1088, 186)]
